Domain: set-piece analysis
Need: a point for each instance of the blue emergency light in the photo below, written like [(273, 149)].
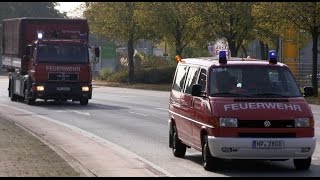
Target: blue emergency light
[(272, 57), (223, 57)]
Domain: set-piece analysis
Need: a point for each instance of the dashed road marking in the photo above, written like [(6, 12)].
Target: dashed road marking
[(163, 109), (138, 113)]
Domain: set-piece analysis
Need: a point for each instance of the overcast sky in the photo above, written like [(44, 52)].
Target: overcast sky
[(68, 6)]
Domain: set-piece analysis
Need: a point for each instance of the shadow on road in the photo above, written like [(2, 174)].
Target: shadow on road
[(76, 105), (254, 168)]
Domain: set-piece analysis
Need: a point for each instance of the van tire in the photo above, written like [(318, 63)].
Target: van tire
[(207, 158), (178, 148), (302, 164)]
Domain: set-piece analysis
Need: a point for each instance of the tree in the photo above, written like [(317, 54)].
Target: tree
[(179, 23), (301, 16), (27, 9), (118, 21), (230, 20)]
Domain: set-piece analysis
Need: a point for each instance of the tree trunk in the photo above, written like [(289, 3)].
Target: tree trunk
[(178, 48), (244, 51), (262, 49), (315, 36), (267, 52), (233, 49), (130, 60)]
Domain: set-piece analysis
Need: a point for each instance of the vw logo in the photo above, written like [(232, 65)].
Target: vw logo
[(267, 124)]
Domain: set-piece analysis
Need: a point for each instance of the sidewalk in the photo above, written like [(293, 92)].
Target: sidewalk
[(23, 155)]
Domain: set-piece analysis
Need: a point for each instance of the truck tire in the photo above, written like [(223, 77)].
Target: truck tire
[(29, 100), (13, 96), (178, 148), (207, 158), (302, 164), (84, 101)]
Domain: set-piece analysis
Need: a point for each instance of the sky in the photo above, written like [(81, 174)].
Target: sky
[(68, 7)]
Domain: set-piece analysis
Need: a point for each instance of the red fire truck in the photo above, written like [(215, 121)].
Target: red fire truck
[(239, 108), (47, 58)]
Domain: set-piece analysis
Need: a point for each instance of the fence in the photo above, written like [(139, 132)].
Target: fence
[(303, 73)]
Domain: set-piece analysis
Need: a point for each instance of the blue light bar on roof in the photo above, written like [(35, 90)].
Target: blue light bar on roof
[(223, 57), (272, 57)]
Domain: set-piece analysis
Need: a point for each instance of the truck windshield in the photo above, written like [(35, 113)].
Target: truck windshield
[(249, 81), (63, 53)]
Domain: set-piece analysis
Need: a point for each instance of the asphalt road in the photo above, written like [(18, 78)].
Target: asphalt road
[(137, 121)]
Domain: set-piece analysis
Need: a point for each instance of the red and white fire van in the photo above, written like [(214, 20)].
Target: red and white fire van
[(239, 108)]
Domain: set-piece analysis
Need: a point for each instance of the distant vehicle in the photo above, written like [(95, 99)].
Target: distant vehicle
[(308, 78), (237, 108), (47, 58)]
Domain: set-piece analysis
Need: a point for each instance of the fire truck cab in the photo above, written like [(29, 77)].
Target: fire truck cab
[(239, 108)]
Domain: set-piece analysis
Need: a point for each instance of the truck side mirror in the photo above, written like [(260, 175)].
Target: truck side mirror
[(308, 91), (196, 90), (97, 52), (28, 50)]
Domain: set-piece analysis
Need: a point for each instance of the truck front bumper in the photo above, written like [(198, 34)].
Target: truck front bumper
[(65, 91)]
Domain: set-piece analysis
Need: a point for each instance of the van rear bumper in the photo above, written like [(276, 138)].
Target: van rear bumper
[(243, 148)]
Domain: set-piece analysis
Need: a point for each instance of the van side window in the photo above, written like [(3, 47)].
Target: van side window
[(191, 79), (180, 78), (203, 80)]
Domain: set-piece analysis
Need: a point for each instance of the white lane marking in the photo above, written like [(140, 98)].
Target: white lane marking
[(163, 109), (96, 138), (83, 113), (138, 113)]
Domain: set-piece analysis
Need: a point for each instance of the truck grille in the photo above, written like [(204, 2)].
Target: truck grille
[(63, 77), (261, 124)]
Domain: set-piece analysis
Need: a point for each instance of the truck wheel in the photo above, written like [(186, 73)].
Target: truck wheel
[(178, 148), (84, 101), (13, 97), (302, 164), (28, 99), (207, 159)]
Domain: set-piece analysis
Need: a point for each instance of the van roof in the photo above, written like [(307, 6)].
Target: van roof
[(210, 61)]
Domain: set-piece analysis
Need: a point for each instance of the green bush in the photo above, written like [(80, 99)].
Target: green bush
[(104, 73), (121, 77), (155, 75)]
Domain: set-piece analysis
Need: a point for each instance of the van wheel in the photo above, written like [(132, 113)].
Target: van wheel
[(84, 101), (178, 148), (207, 158), (302, 164)]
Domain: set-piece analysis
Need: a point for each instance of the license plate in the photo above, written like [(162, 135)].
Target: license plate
[(63, 88), (267, 144)]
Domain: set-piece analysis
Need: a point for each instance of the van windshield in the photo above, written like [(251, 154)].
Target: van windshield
[(62, 53), (249, 81)]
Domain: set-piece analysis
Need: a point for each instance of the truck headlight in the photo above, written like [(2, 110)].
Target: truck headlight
[(85, 88), (40, 88), (302, 122), (228, 122)]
